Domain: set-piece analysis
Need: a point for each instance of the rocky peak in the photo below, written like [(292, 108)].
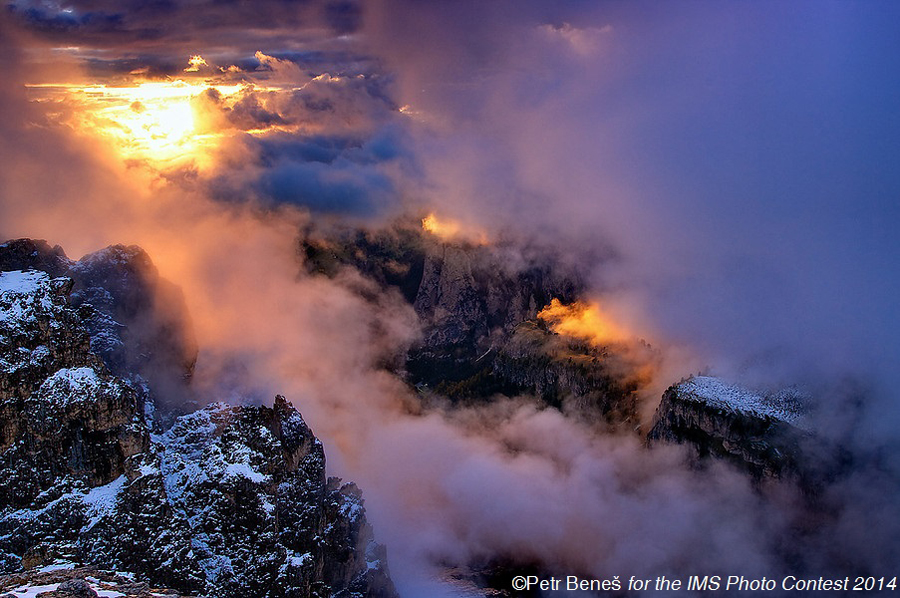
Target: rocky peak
[(137, 321), (230, 501), (37, 330), (64, 420), (34, 254), (762, 433)]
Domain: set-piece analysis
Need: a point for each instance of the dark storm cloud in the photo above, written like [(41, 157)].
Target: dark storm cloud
[(322, 173), (331, 145), (174, 29), (342, 187), (148, 66)]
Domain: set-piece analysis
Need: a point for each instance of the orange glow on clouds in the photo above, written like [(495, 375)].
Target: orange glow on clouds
[(582, 320), (194, 64), (451, 230), (152, 121), (441, 228)]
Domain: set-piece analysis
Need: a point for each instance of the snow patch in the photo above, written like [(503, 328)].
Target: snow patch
[(23, 282), (783, 405), (57, 567), (244, 470), (298, 560), (101, 501), (23, 295), (29, 591), (71, 386)]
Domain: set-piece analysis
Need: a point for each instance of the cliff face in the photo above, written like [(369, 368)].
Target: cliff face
[(477, 306), (762, 434), (62, 415), (470, 301), (566, 373), (230, 501)]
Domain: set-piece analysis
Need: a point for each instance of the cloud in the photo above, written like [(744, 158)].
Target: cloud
[(735, 179)]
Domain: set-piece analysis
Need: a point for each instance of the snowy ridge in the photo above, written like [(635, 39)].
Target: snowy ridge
[(784, 405), (228, 501)]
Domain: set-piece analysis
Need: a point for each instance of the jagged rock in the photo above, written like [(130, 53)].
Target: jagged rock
[(34, 254), (230, 501), (65, 577), (77, 588), (38, 331), (566, 372), (139, 325), (137, 321), (62, 415)]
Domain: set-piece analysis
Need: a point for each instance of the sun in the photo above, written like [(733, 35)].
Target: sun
[(153, 122), (162, 130)]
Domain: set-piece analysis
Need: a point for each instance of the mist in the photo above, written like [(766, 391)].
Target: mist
[(734, 163), (739, 159)]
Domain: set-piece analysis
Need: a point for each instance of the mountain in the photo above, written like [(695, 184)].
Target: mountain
[(137, 321), (99, 470), (490, 316), (478, 306)]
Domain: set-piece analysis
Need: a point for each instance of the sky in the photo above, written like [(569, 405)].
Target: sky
[(734, 163)]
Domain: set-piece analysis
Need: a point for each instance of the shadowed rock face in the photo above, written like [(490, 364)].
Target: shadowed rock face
[(137, 322), (34, 254), (230, 501), (477, 307), (761, 434), (469, 298), (760, 443), (62, 415)]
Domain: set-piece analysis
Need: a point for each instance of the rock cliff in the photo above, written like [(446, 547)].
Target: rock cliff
[(137, 322), (477, 306), (228, 501), (764, 434)]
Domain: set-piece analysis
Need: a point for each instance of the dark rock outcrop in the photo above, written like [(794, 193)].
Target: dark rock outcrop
[(762, 434), (469, 297), (139, 324), (478, 306), (62, 415), (567, 373), (230, 501), (34, 254), (137, 321), (70, 581)]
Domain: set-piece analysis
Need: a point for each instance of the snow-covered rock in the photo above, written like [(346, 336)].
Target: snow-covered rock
[(762, 433), (230, 501)]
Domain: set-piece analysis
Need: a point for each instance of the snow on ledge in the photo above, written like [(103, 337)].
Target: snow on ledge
[(785, 406)]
